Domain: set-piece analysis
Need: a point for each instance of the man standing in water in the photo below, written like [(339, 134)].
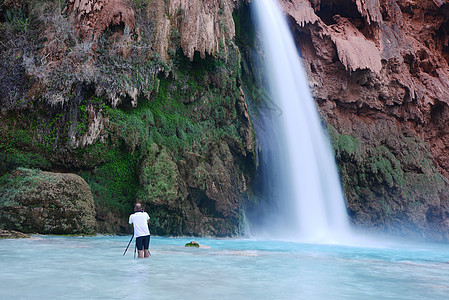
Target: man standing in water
[(140, 220)]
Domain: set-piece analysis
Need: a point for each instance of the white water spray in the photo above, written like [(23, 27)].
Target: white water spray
[(317, 201)]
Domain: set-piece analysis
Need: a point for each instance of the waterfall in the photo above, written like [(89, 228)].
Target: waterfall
[(310, 199)]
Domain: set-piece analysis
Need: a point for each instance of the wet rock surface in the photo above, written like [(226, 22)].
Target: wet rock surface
[(378, 71)]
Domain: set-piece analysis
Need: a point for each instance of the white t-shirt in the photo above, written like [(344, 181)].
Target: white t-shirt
[(140, 221)]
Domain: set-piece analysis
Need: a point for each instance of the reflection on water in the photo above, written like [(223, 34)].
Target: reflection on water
[(94, 267)]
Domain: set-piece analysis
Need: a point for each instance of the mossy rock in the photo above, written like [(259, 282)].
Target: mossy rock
[(348, 144), (391, 182), (135, 127), (12, 234), (33, 201), (193, 244)]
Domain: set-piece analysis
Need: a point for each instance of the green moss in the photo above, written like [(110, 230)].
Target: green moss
[(185, 108), (17, 19), (347, 144), (165, 222), (131, 127), (82, 123), (114, 184), (192, 244), (386, 167), (39, 132), (12, 158), (424, 184), (181, 121), (24, 145), (19, 182), (160, 177)]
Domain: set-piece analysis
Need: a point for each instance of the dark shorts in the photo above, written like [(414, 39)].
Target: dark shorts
[(143, 242)]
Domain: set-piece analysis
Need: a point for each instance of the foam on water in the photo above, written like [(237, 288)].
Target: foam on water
[(94, 267)]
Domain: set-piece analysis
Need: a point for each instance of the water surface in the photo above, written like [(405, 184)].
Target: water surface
[(93, 267)]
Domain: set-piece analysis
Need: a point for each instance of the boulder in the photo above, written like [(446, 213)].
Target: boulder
[(12, 234), (34, 201)]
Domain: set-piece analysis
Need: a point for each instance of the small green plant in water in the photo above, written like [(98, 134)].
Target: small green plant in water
[(193, 244)]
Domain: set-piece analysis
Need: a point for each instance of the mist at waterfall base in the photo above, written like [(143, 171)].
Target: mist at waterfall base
[(50, 267), (299, 174)]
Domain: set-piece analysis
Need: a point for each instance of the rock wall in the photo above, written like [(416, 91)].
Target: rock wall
[(142, 99), (379, 72), (203, 25)]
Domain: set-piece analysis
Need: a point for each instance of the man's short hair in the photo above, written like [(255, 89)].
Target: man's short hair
[(138, 207)]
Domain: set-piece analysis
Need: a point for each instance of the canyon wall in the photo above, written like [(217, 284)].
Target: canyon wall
[(378, 70), (142, 99), (145, 101)]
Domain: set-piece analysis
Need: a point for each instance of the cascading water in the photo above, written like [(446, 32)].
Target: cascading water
[(312, 198)]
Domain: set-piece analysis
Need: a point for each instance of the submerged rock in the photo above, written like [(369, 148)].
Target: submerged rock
[(34, 201)]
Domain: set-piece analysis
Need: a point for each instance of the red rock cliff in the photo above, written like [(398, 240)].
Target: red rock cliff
[(379, 71)]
